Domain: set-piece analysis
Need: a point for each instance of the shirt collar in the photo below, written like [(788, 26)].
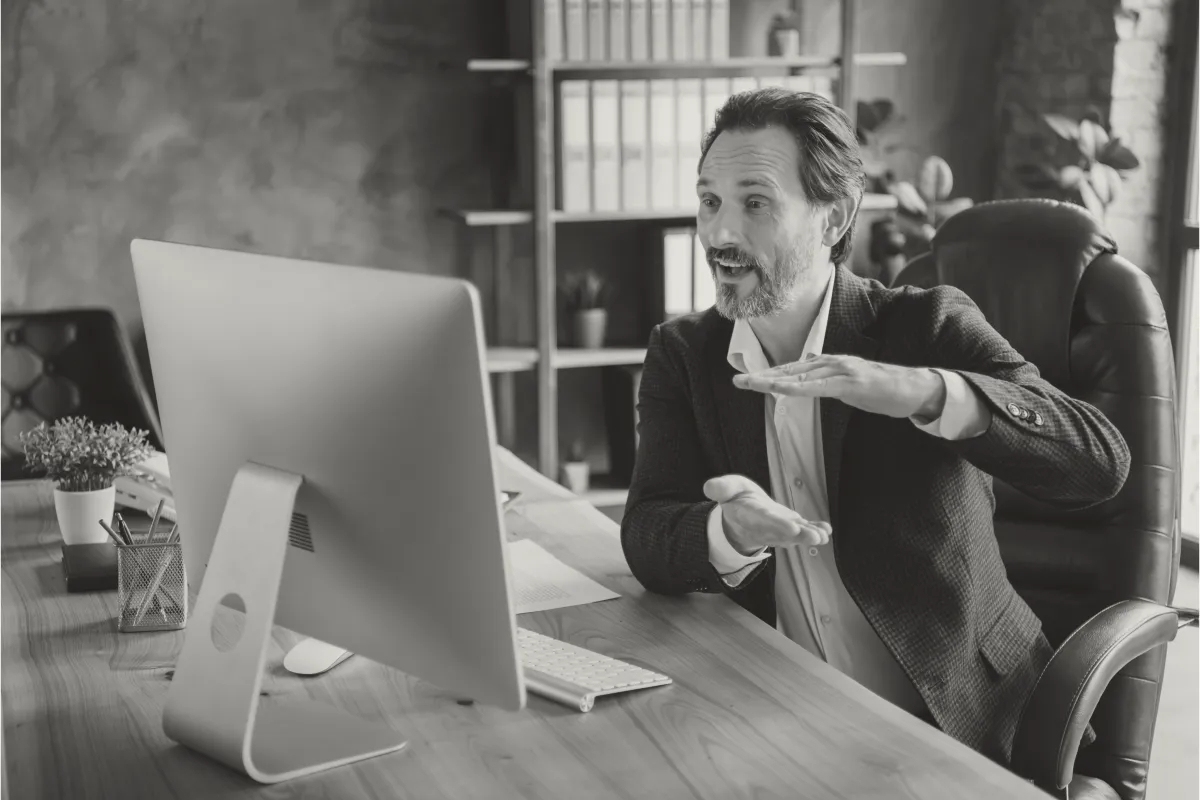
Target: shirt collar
[(745, 352)]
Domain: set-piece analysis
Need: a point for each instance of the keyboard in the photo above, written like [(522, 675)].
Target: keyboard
[(575, 676)]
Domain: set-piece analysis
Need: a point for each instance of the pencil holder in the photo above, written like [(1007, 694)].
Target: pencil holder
[(152, 590)]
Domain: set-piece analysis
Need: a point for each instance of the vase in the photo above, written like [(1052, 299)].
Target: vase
[(575, 476), (589, 327), (79, 514)]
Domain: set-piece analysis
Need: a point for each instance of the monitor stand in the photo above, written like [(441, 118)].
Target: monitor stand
[(213, 703)]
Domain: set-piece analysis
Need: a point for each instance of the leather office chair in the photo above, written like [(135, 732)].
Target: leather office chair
[(65, 363), (1048, 278)]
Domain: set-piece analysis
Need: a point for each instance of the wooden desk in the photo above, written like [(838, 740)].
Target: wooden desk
[(750, 713)]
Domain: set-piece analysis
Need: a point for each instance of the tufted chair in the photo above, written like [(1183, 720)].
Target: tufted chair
[(64, 363), (1048, 278)]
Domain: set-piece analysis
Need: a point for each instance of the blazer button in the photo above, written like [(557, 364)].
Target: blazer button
[(1037, 418), (1015, 410)]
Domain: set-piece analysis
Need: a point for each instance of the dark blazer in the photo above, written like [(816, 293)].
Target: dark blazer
[(911, 512)]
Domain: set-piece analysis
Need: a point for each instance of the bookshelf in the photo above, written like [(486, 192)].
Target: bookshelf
[(540, 75)]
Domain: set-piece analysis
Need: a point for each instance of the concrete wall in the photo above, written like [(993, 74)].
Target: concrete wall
[(309, 128)]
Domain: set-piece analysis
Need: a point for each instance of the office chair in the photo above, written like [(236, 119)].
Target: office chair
[(1048, 278), (69, 362)]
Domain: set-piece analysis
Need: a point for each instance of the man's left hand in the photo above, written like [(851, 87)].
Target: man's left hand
[(877, 388)]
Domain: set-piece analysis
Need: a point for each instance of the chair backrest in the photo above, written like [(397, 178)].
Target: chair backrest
[(1047, 277), (64, 363)]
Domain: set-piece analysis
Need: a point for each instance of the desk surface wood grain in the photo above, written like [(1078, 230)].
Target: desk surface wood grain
[(750, 714)]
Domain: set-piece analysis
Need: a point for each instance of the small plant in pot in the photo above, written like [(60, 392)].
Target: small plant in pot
[(575, 469), (83, 460), (585, 293)]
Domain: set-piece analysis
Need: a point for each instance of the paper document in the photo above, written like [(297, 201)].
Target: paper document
[(541, 582)]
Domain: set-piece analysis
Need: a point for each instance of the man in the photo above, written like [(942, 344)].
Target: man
[(820, 447)]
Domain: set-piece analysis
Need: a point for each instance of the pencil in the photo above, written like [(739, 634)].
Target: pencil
[(154, 521), (125, 529), (112, 534)]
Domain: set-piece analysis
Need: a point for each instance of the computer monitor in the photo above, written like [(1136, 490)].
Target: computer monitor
[(331, 443)]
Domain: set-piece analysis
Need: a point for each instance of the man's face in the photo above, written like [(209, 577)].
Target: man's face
[(760, 232)]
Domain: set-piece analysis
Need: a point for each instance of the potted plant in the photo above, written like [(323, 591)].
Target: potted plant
[(83, 460), (1081, 161), (585, 294), (575, 468), (876, 129)]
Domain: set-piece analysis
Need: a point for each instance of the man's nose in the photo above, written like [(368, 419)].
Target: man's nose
[(724, 228)]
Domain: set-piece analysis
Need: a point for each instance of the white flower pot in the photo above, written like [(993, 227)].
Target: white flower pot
[(589, 327), (575, 476), (79, 514)]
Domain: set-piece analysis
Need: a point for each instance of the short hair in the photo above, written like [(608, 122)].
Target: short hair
[(831, 166)]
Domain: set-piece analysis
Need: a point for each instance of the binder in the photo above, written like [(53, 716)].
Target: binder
[(700, 21), (639, 30), (597, 30), (575, 27), (716, 92), (823, 85), (635, 161), (660, 30), (681, 30), (689, 124), (662, 144), (799, 83), (718, 30), (554, 29), (606, 164), (743, 84), (678, 272), (618, 30), (576, 191)]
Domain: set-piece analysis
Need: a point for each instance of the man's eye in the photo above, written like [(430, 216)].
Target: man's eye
[(709, 202), (754, 203)]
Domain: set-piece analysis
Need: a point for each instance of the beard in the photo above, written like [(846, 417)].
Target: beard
[(775, 287)]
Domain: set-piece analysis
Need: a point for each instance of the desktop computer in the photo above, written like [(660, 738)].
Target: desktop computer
[(331, 446)]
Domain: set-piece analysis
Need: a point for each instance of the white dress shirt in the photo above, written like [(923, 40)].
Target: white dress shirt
[(812, 605)]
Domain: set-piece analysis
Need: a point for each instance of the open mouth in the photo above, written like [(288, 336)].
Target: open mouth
[(730, 270)]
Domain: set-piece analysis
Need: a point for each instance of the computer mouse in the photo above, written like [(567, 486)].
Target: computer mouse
[(312, 657)]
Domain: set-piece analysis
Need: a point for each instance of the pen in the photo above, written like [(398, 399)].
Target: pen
[(112, 534), (154, 521), (125, 528)]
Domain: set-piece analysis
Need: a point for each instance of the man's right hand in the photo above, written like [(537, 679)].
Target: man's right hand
[(753, 520)]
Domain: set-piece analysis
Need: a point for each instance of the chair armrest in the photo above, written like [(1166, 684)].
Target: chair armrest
[(1057, 712)]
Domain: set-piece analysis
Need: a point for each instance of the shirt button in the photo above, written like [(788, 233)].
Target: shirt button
[(798, 483), (826, 619), (812, 551)]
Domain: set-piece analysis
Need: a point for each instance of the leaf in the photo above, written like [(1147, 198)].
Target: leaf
[(1065, 127), (1106, 182), (908, 198), (868, 117), (1091, 201), (883, 109), (1070, 177), (935, 180), (1118, 156), (1092, 139)]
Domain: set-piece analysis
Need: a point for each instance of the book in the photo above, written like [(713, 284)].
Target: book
[(681, 30), (597, 30), (639, 30), (662, 144), (576, 191), (575, 27), (618, 30), (606, 136), (716, 92), (635, 162), (554, 29), (699, 22), (718, 29), (660, 30), (689, 128)]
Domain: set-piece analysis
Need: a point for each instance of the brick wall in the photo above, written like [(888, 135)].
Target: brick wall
[(1066, 55)]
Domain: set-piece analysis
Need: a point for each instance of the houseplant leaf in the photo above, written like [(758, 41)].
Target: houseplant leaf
[(1070, 177), (1091, 201), (1117, 155), (1036, 177), (947, 209), (1092, 139), (935, 180), (908, 198), (1106, 182), (1065, 127)]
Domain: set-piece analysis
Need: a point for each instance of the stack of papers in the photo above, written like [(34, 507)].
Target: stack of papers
[(541, 582)]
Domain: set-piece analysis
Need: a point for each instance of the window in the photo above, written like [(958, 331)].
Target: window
[(1187, 346)]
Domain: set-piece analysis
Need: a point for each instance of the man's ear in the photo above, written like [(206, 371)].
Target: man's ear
[(838, 217)]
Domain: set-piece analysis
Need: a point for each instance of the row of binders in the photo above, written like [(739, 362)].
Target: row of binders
[(636, 30), (634, 145)]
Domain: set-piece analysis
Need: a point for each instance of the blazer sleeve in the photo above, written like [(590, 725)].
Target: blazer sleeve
[(664, 531), (1041, 441)]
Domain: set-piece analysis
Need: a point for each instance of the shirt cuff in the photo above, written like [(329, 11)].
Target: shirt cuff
[(732, 566), (964, 415)]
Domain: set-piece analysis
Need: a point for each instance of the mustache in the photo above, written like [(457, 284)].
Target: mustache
[(732, 255)]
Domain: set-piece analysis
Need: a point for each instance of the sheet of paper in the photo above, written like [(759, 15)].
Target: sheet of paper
[(541, 582)]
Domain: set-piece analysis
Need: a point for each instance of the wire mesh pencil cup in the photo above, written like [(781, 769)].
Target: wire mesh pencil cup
[(152, 592)]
